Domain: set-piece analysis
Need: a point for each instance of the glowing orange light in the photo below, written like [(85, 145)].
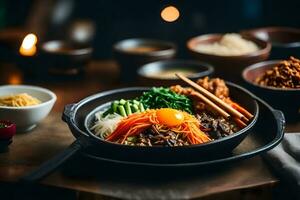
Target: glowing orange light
[(15, 79), (170, 14), (28, 47)]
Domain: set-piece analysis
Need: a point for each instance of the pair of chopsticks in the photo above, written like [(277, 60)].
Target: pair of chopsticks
[(214, 102)]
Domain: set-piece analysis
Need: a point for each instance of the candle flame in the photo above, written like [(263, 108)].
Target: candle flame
[(28, 47)]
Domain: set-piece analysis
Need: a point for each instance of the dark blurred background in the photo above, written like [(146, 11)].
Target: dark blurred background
[(115, 20), (101, 23)]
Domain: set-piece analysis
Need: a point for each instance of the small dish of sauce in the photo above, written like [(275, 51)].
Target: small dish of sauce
[(170, 73), (143, 49)]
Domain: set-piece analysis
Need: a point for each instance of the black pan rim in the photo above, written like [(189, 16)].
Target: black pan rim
[(243, 156), (99, 95)]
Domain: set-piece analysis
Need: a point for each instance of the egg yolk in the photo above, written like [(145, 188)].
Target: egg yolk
[(170, 117)]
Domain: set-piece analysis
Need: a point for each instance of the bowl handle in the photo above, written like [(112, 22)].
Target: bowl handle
[(68, 111), (277, 113), (52, 164), (280, 118)]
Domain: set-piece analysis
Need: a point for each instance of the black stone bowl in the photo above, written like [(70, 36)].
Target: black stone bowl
[(80, 117)]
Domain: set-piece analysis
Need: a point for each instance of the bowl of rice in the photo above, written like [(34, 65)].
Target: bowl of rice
[(25, 105), (229, 53)]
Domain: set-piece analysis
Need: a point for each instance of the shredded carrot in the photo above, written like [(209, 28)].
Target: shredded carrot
[(139, 122)]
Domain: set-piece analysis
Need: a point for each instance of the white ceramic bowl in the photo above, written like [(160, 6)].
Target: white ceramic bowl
[(27, 117)]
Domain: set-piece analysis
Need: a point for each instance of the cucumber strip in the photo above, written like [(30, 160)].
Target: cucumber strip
[(135, 108), (141, 106), (122, 111), (127, 108), (115, 106), (136, 102), (122, 102)]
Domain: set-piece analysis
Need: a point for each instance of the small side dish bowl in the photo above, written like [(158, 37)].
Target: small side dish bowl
[(228, 67), (285, 40), (286, 100), (135, 52), (27, 117), (7, 131), (64, 56), (163, 72)]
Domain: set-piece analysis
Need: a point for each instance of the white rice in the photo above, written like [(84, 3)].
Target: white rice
[(231, 44)]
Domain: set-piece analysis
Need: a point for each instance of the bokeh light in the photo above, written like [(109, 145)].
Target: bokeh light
[(170, 14), (28, 47)]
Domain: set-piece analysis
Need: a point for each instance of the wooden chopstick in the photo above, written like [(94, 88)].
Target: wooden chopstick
[(211, 104), (212, 97), (240, 123), (242, 110)]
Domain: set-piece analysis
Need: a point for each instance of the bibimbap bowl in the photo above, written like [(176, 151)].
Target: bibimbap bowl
[(80, 118)]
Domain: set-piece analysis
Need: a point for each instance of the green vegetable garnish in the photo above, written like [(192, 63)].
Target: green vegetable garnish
[(3, 125), (153, 99), (122, 111), (122, 102), (124, 107), (135, 108), (127, 108), (131, 139), (165, 98)]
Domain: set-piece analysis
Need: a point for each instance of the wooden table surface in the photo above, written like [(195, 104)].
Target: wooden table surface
[(52, 136)]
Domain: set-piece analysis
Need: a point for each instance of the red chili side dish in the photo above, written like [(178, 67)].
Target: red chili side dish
[(7, 129)]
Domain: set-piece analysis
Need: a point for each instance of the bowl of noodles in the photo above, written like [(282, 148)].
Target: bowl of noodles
[(25, 105)]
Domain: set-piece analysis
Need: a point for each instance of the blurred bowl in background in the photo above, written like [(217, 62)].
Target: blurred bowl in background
[(228, 67), (133, 53), (62, 57), (162, 73), (286, 100), (27, 117), (81, 32), (285, 41)]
